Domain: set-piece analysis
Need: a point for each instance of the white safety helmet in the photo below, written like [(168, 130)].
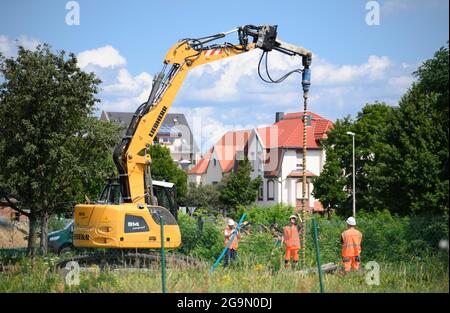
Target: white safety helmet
[(351, 221), (293, 216), (231, 222)]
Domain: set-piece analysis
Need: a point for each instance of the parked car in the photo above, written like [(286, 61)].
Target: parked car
[(60, 241)]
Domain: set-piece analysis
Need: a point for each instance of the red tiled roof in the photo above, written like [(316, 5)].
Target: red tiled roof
[(288, 132), (318, 206), (225, 151), (227, 147), (202, 165), (8, 212), (296, 115), (300, 174)]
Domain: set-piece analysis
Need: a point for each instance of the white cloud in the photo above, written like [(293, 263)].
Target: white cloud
[(9, 47), (124, 92), (121, 91), (27, 42), (236, 78), (206, 127), (325, 73), (125, 83), (105, 57), (5, 46), (226, 76), (401, 83)]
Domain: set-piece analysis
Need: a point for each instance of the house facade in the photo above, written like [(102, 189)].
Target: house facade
[(174, 134), (221, 159), (276, 155)]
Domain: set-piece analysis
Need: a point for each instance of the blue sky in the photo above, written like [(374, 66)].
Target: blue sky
[(124, 42)]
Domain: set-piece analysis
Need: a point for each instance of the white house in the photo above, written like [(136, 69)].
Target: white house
[(175, 134), (276, 154)]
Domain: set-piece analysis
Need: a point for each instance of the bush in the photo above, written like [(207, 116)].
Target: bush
[(277, 214), (188, 229), (257, 247), (386, 237), (205, 242), (210, 241)]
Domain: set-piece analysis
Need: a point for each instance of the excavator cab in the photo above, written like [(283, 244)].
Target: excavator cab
[(165, 195)]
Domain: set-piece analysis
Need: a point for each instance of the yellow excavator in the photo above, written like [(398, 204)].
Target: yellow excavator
[(133, 222)]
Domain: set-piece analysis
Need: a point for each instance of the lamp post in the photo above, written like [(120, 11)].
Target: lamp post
[(354, 199)]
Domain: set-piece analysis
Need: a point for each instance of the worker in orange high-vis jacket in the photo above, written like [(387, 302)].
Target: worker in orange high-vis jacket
[(291, 240), (231, 253), (351, 246)]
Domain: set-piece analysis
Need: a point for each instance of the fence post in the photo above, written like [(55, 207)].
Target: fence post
[(316, 244), (163, 255)]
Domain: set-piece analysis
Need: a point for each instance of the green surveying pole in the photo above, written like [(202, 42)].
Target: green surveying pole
[(163, 255), (316, 244)]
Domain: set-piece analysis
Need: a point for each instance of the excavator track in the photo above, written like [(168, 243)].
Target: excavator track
[(129, 260)]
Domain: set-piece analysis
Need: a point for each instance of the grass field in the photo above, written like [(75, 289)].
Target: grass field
[(429, 276), (406, 249)]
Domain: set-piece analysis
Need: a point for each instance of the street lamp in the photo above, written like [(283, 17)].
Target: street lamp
[(354, 199)]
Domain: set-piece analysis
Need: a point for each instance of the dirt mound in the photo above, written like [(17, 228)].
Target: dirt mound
[(12, 233)]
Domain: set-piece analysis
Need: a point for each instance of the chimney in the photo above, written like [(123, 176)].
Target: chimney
[(279, 116)]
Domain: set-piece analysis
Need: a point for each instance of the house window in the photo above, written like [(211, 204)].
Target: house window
[(270, 189), (214, 162), (299, 164), (261, 192)]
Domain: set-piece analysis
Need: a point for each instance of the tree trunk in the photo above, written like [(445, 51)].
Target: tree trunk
[(31, 251), (44, 233)]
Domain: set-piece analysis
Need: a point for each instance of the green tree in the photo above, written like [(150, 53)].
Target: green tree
[(48, 139), (419, 141), (433, 78), (329, 187), (94, 149), (334, 185), (239, 188), (412, 165), (401, 152), (164, 168), (204, 197)]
